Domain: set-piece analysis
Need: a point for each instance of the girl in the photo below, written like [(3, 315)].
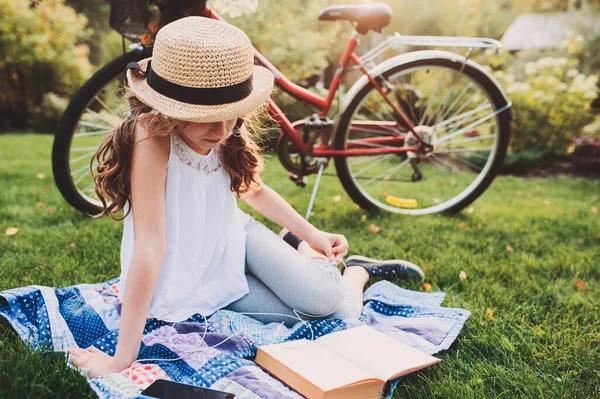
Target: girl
[(174, 167)]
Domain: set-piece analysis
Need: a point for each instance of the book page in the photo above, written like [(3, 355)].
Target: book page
[(323, 368), (376, 352)]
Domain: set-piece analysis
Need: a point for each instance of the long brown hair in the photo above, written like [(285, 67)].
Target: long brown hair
[(240, 155)]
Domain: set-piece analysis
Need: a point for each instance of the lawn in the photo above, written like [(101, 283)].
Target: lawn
[(530, 249)]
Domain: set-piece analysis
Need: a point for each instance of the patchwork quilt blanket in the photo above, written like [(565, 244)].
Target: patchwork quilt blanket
[(88, 314)]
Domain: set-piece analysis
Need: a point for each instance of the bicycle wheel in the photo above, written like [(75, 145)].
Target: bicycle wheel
[(91, 114), (454, 105)]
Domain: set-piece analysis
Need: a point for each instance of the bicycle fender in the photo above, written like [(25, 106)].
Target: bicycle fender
[(406, 59)]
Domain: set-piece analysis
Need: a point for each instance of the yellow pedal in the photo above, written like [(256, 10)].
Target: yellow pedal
[(402, 202)]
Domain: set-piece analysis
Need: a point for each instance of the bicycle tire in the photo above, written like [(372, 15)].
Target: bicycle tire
[(68, 123), (411, 60)]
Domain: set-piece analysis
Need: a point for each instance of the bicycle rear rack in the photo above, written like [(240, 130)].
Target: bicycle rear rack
[(454, 42)]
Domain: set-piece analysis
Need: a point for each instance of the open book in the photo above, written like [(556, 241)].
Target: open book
[(353, 363)]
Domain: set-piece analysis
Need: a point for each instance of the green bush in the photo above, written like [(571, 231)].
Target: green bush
[(39, 43), (46, 116), (551, 104), (290, 36)]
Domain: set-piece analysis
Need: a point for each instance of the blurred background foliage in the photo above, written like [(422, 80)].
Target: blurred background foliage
[(50, 47), (43, 51)]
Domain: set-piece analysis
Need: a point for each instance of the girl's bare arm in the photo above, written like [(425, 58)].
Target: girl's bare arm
[(273, 206), (148, 176), (270, 204)]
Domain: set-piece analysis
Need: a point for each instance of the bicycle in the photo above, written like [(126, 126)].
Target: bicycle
[(397, 145)]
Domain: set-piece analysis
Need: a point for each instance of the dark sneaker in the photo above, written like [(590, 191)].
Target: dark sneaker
[(386, 268), (290, 238)]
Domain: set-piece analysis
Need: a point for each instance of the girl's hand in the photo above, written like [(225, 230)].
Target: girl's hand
[(93, 361), (334, 246)]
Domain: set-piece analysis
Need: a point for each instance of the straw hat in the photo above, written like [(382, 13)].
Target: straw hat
[(202, 70)]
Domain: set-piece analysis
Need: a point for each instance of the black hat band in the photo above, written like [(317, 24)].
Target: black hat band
[(194, 95)]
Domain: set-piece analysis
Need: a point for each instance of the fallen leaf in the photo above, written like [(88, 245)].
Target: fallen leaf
[(386, 193), (464, 225), (337, 198), (437, 200), (357, 207), (45, 187), (479, 225), (40, 205), (71, 245), (40, 176), (490, 313), (363, 218), (470, 210), (51, 209), (510, 249), (580, 285), (425, 287), (374, 229), (598, 236), (580, 241), (11, 231), (547, 202), (462, 275), (538, 188), (594, 210), (453, 183)]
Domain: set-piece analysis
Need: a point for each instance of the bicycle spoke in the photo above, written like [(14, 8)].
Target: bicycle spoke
[(447, 164), (367, 159), (480, 156), (89, 187), (96, 133), (462, 93), (466, 140), (367, 130), (80, 169), (83, 176), (88, 124), (84, 156), (104, 105), (437, 85), (97, 115), (367, 144), (389, 172), (465, 129), (83, 149), (450, 150), (377, 118), (473, 98), (463, 115), (373, 164)]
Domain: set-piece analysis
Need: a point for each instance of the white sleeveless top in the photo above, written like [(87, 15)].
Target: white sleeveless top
[(203, 267)]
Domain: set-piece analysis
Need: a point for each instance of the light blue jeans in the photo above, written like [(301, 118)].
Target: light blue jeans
[(281, 280)]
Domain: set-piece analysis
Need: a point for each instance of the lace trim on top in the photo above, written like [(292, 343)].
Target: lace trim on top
[(206, 164)]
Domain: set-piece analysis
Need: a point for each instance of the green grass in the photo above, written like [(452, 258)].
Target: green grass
[(542, 342)]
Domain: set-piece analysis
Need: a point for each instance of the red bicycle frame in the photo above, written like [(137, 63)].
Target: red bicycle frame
[(323, 105)]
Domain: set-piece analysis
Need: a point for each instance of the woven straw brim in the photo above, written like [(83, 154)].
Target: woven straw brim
[(262, 82)]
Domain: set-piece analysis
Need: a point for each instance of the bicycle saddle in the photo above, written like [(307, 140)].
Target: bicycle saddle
[(372, 16)]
